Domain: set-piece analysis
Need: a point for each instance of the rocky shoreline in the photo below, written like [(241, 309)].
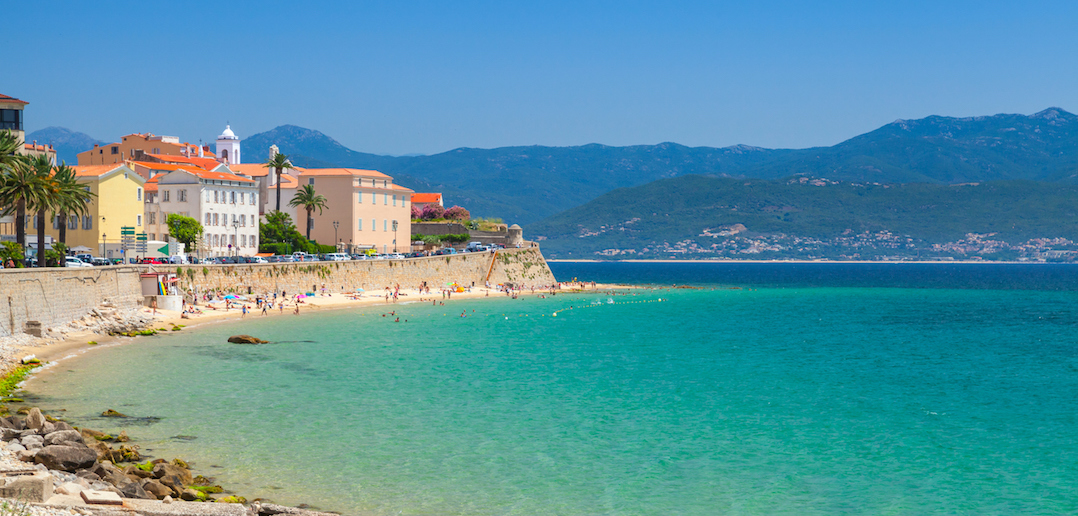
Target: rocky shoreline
[(83, 461)]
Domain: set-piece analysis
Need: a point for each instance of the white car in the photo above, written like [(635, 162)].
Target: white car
[(336, 257), (395, 256), (71, 261)]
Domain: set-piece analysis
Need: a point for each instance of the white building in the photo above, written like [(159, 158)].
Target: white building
[(226, 204)]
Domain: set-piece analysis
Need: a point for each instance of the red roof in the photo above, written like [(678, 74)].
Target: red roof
[(6, 98), (342, 172), (206, 163), (428, 198)]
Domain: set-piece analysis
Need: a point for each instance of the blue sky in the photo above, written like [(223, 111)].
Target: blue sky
[(399, 77)]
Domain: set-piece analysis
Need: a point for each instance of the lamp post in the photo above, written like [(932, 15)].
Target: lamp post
[(103, 236), (236, 226), (336, 243), (394, 236)]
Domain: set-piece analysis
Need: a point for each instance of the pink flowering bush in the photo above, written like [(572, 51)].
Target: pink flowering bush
[(431, 212), (416, 214), (457, 213)]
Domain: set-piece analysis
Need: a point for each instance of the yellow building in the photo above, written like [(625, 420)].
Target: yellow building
[(118, 202)]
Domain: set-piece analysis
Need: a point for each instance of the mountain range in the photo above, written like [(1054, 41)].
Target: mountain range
[(527, 184), (68, 143)]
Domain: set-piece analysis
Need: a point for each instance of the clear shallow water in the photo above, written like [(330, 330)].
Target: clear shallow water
[(781, 400)]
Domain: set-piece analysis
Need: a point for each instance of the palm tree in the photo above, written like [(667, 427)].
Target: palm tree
[(12, 167), (310, 200), (21, 187), (278, 162), (72, 198), (45, 201)]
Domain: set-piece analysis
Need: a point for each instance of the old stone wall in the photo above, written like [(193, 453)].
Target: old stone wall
[(524, 266), (56, 296)]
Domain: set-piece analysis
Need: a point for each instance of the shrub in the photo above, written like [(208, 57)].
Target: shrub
[(457, 213), (431, 212), (276, 248), (416, 212), (456, 238)]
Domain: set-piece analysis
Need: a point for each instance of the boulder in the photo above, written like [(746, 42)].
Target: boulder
[(31, 439), (101, 449), (89, 434), (155, 488), (63, 436), (133, 490), (112, 413), (246, 339), (69, 488), (35, 420), (137, 472), (89, 476), (189, 495), (66, 457), (11, 433), (27, 455), (111, 474), (11, 422), (164, 469), (15, 448)]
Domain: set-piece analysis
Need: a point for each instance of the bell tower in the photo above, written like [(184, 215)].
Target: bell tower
[(228, 147)]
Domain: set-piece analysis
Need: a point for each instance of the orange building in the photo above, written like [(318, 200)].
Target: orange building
[(136, 146)]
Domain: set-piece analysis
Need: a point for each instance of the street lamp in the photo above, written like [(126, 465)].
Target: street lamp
[(394, 236), (236, 226), (336, 243), (103, 236)]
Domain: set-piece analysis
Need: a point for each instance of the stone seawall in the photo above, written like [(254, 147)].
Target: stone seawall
[(524, 266), (57, 296)]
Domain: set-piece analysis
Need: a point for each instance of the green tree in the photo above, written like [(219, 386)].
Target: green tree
[(44, 202), (309, 200), (72, 198), (17, 184), (278, 229), (184, 229), (278, 162), (14, 251)]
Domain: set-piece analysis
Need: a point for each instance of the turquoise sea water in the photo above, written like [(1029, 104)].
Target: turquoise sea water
[(793, 395)]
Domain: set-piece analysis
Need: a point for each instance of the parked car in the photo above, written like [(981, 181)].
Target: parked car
[(101, 262), (257, 259), (193, 260), (178, 259), (308, 258), (395, 256), (71, 261), (85, 257), (336, 257)]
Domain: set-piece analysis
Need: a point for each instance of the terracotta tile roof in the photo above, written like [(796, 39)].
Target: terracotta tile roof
[(219, 176), (33, 147), (402, 189), (95, 170), (200, 172), (343, 172), (204, 163), (426, 198), (260, 170), (163, 166), (9, 99)]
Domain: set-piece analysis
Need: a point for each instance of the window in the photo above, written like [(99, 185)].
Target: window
[(232, 240), (254, 241), (55, 222), (359, 225), (35, 221), (360, 197), (385, 224), (234, 219), (215, 242), (310, 181), (152, 218), (374, 198), (241, 197), (394, 199), (139, 195), (138, 220), (157, 150), (374, 224), (164, 196), (73, 221), (182, 195), (232, 199), (87, 222), (224, 153), (215, 196), (385, 199), (207, 219), (215, 220), (11, 119), (243, 220), (243, 240), (153, 236)]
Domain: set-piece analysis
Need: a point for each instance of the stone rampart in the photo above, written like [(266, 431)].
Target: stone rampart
[(524, 266), (57, 296)]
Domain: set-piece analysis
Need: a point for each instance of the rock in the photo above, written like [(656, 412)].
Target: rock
[(30, 439), (167, 499), (15, 448), (164, 469), (11, 422), (88, 476), (88, 434), (138, 472), (189, 495), (63, 436), (101, 449), (48, 428), (133, 490), (35, 420), (62, 425), (111, 474), (65, 457), (246, 339), (10, 433), (112, 413), (27, 455), (69, 488), (157, 489), (34, 446)]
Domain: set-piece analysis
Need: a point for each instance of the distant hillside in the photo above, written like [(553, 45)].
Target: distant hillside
[(737, 218), (68, 143), (526, 184)]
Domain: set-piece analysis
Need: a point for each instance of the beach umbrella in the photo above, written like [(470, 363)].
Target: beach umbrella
[(230, 296), (301, 296), (360, 290)]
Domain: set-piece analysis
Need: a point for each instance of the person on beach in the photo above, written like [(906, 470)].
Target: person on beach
[(281, 306), (264, 306), (244, 312), (296, 311)]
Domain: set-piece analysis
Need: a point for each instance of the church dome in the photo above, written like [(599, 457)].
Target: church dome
[(227, 134)]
